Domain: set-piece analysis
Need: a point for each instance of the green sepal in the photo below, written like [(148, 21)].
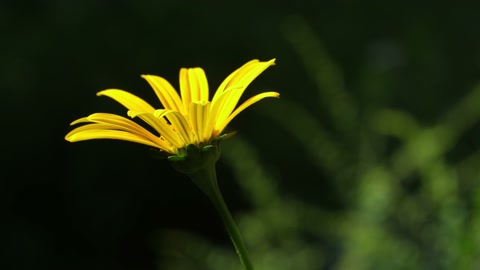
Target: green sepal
[(176, 158), (158, 154), (208, 148), (162, 155), (193, 158), (224, 137)]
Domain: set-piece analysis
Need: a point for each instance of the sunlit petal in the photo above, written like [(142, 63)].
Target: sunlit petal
[(221, 125), (123, 123), (180, 125), (243, 78), (165, 93), (218, 104), (128, 100), (92, 134), (246, 76), (202, 84), (185, 89), (200, 116), (86, 127), (161, 126), (223, 86)]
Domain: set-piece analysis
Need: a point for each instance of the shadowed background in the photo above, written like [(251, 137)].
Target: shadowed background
[(369, 160)]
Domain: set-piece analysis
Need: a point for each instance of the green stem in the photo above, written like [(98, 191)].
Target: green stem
[(206, 180)]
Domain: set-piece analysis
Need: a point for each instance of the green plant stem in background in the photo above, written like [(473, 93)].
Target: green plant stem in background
[(206, 180)]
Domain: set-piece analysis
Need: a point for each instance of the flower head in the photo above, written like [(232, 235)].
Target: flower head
[(190, 118)]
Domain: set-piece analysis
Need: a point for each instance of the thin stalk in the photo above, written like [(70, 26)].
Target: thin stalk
[(206, 180)]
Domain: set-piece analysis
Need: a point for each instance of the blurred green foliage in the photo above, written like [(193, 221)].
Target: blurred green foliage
[(407, 204), (369, 160)]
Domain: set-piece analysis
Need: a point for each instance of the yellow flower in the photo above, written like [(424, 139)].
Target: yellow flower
[(187, 119)]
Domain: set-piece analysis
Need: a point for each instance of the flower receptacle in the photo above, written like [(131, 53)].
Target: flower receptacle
[(192, 159)]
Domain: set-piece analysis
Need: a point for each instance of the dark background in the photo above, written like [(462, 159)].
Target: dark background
[(372, 90)]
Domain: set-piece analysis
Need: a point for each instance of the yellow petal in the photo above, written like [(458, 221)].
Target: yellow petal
[(86, 127), (81, 120), (149, 121), (193, 85), (208, 124), (243, 78), (180, 125), (201, 81), (246, 76), (221, 125), (218, 104), (223, 86), (200, 118), (119, 122), (128, 100), (161, 126), (185, 89), (165, 93), (92, 134)]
